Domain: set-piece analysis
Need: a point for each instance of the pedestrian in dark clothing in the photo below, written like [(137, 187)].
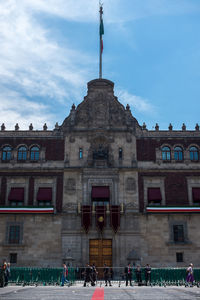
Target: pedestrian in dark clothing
[(138, 275), (94, 273), (128, 274), (106, 272), (148, 274), (88, 275), (6, 272), (2, 274)]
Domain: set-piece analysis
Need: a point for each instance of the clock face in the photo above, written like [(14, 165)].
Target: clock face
[(101, 219)]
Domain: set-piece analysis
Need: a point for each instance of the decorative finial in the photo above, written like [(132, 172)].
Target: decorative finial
[(56, 126), (144, 126), (16, 127), (31, 126), (3, 127), (156, 127), (183, 127), (197, 127), (45, 126), (127, 107), (73, 107), (170, 127)]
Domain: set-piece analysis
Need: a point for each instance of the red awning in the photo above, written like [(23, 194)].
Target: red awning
[(44, 194), (16, 194), (100, 192), (196, 194), (154, 194)]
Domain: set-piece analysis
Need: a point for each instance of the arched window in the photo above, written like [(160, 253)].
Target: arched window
[(6, 153), (178, 153), (22, 153), (35, 153), (166, 153), (194, 154)]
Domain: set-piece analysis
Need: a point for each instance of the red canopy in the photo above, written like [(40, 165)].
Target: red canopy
[(16, 194), (154, 194), (196, 194), (44, 194), (100, 192)]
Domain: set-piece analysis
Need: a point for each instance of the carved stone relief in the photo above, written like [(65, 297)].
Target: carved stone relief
[(70, 186), (100, 151), (130, 184)]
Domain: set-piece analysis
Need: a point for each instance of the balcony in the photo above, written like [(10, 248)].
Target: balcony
[(26, 209), (173, 209)]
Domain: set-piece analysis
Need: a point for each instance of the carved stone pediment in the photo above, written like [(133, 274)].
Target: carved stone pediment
[(100, 109)]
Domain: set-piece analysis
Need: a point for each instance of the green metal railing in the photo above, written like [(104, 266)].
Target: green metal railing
[(45, 276), (52, 276)]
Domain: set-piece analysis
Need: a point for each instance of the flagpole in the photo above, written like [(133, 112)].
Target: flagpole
[(101, 41)]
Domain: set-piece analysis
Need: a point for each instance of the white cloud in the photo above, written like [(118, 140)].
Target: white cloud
[(15, 109), (79, 10), (32, 60), (33, 64), (135, 102)]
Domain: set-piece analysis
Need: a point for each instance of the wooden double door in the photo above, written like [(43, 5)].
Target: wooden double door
[(100, 254)]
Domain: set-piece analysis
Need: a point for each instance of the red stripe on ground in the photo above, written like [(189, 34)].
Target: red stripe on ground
[(98, 294)]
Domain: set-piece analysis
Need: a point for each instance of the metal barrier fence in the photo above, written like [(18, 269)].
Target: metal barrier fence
[(52, 276), (158, 275), (45, 276)]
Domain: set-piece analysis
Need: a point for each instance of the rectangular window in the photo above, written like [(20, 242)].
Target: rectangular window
[(13, 258), (80, 153), (196, 195), (178, 231), (154, 196), (14, 234), (120, 153), (100, 195), (16, 203), (179, 257), (44, 196), (16, 196)]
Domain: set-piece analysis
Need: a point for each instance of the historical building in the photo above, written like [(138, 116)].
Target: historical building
[(100, 188)]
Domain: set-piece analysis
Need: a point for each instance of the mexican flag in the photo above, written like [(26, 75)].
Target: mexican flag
[(101, 32)]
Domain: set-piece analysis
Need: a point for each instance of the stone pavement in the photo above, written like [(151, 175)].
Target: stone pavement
[(78, 292)]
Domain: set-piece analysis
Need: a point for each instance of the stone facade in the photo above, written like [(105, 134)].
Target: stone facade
[(100, 144)]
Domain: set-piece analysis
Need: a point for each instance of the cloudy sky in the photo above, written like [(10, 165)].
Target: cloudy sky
[(49, 51)]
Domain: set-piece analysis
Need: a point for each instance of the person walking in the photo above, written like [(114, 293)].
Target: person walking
[(88, 275), (2, 274), (106, 272), (190, 276), (64, 275), (147, 274), (128, 274), (94, 274)]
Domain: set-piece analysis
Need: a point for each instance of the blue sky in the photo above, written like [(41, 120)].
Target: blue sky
[(50, 50)]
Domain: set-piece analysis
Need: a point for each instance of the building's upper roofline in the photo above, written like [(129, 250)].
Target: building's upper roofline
[(100, 83)]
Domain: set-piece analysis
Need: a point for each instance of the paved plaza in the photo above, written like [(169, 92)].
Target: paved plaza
[(77, 292)]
